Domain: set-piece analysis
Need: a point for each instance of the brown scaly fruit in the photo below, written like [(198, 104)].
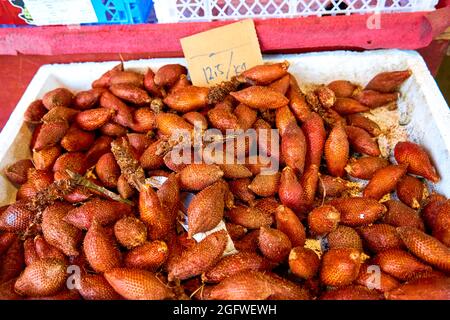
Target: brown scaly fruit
[(259, 97), (60, 97), (388, 81), (95, 287), (149, 256), (249, 217), (206, 208), (100, 249), (360, 121), (340, 267), (265, 73), (323, 219), (303, 262), (130, 232), (379, 237), (12, 262), (384, 181), (358, 211), (134, 284), (337, 151), (365, 168), (153, 214), (422, 289), (315, 136), (199, 176), (371, 279), (16, 217), (342, 88), (200, 258), (344, 237), (352, 292), (274, 244), (265, 184), (288, 223), (426, 247), (400, 215), (361, 142), (411, 191), (17, 172), (294, 147), (43, 278), (235, 264)]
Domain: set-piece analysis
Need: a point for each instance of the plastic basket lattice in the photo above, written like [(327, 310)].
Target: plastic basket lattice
[(207, 10)]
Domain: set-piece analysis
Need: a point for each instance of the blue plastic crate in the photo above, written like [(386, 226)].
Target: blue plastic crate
[(122, 11)]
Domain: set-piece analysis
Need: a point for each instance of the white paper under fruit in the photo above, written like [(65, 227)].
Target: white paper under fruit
[(421, 105)]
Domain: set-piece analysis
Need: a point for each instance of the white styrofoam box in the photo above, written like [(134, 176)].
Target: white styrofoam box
[(421, 103), (207, 10)]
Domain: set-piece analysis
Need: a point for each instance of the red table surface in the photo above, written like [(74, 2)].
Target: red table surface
[(24, 50)]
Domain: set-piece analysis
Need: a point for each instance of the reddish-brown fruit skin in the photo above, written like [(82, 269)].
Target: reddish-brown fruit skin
[(196, 119), (38, 180), (104, 211), (361, 141), (432, 209), (45, 158), (331, 186), (46, 250), (340, 267), (441, 231), (88, 99), (267, 205), (323, 220), (139, 142), (128, 77), (326, 96), (60, 97), (315, 136), (399, 264), (168, 74), (222, 118), (281, 85), (384, 181), (290, 224), (6, 239), (249, 242), (358, 120), (95, 287), (130, 232), (365, 168), (12, 262), (342, 88), (274, 244), (375, 99), (255, 285), (17, 173), (199, 176), (426, 247), (50, 134), (344, 237), (265, 185), (134, 284), (411, 191), (123, 114), (64, 294), (283, 118), (149, 256), (130, 93), (104, 79), (60, 114), (149, 159), (77, 140), (379, 237), (303, 262), (418, 160), (297, 101), (107, 169), (422, 289), (337, 149), (187, 99), (200, 258), (400, 215), (124, 188), (258, 97), (237, 263), (309, 181), (16, 217), (290, 190), (73, 161), (153, 214), (57, 231), (345, 106), (169, 195), (248, 217), (239, 188), (368, 278), (352, 292), (388, 81), (358, 211), (93, 118), (100, 249), (101, 146), (7, 291), (294, 147), (265, 73), (45, 277), (150, 85), (144, 120), (235, 231), (206, 208), (35, 112)]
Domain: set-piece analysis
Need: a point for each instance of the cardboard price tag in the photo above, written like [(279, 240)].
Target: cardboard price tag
[(219, 54)]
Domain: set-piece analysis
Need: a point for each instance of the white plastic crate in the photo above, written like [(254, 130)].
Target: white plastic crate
[(208, 10)]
